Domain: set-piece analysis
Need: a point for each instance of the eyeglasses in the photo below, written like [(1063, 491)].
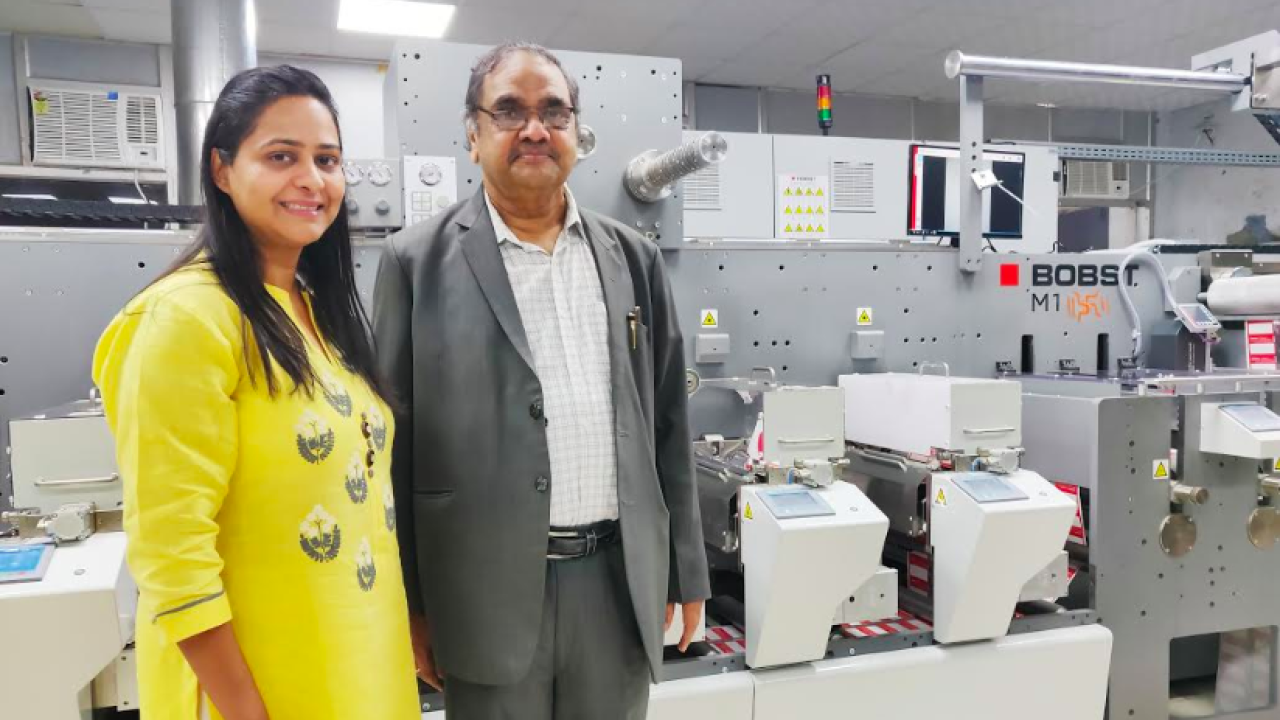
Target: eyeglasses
[(557, 117)]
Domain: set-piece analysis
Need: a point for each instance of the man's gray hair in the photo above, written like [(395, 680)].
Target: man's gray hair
[(490, 62)]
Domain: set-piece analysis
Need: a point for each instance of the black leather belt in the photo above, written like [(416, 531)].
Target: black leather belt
[(579, 542)]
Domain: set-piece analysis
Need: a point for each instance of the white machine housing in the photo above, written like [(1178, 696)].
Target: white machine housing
[(918, 413), (1246, 430), (991, 535), (64, 455), (803, 423), (66, 628), (805, 551)]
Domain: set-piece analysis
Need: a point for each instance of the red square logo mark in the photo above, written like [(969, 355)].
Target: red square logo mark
[(1010, 275)]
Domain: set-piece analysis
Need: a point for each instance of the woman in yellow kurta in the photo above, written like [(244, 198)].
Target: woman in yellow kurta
[(255, 444)]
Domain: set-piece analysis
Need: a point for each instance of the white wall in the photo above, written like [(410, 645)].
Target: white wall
[(357, 89), (1208, 203)]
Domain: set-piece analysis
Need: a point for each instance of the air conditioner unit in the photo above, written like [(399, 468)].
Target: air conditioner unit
[(84, 125), (1094, 180)]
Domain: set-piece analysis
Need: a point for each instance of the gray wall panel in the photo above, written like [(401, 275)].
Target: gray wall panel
[(10, 150), (727, 109), (93, 61)]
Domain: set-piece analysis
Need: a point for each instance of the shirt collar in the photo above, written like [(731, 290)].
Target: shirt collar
[(572, 220)]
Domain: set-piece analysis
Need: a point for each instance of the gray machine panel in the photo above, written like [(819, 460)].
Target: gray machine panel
[(633, 103), (730, 199), (795, 307), (371, 205), (1107, 443)]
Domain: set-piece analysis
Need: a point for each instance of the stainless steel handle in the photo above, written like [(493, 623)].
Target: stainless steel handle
[(892, 461), (805, 441), (989, 431), (104, 480), (934, 364), (757, 371)]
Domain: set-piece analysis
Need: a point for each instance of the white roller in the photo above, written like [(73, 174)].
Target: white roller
[(1252, 295)]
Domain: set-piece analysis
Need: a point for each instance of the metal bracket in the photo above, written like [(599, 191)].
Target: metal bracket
[(970, 201)]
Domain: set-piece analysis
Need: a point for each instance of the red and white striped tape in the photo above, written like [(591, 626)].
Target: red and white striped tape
[(905, 622)]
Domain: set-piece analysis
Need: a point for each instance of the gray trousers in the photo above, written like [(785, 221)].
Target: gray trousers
[(589, 663)]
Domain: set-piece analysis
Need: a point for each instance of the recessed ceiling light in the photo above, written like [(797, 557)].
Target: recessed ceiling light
[(395, 17)]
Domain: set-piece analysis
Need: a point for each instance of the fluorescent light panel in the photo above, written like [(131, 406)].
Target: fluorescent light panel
[(395, 17), (29, 196), (129, 200)]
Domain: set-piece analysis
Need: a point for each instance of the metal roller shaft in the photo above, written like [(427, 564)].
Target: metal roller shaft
[(957, 64), (1190, 494), (651, 176)]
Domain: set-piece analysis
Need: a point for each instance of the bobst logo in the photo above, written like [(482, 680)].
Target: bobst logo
[(1080, 305), (1046, 275)]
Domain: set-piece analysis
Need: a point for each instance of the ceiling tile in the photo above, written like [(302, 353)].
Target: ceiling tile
[(360, 46), (288, 38), (484, 25), (49, 19), (134, 26), (139, 5), (299, 12), (626, 33)]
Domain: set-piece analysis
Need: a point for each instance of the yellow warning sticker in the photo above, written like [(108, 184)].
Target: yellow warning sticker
[(747, 513), (809, 229), (808, 211), (864, 316), (787, 211), (709, 318), (819, 193), (941, 499), (820, 229), (789, 229), (820, 211), (808, 191), (40, 107), (787, 192), (1160, 469), (1276, 467)]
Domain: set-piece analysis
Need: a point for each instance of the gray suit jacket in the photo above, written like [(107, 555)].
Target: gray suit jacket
[(470, 463)]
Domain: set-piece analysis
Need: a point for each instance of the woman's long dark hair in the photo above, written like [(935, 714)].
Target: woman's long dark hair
[(325, 267)]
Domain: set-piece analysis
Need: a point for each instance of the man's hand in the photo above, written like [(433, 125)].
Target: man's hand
[(425, 660), (690, 613)]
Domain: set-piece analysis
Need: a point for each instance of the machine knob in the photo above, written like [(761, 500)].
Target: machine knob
[(444, 201), (353, 206), (430, 174), (382, 208)]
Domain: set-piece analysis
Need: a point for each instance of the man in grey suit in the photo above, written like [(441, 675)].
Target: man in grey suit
[(543, 473)]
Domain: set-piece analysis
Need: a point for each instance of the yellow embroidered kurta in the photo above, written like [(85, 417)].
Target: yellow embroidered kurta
[(258, 511)]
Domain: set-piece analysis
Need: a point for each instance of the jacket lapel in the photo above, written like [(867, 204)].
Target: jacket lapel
[(480, 246), (619, 297)]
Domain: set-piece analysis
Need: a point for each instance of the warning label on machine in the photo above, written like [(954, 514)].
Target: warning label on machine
[(802, 207), (1159, 469), (865, 316), (709, 319)]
